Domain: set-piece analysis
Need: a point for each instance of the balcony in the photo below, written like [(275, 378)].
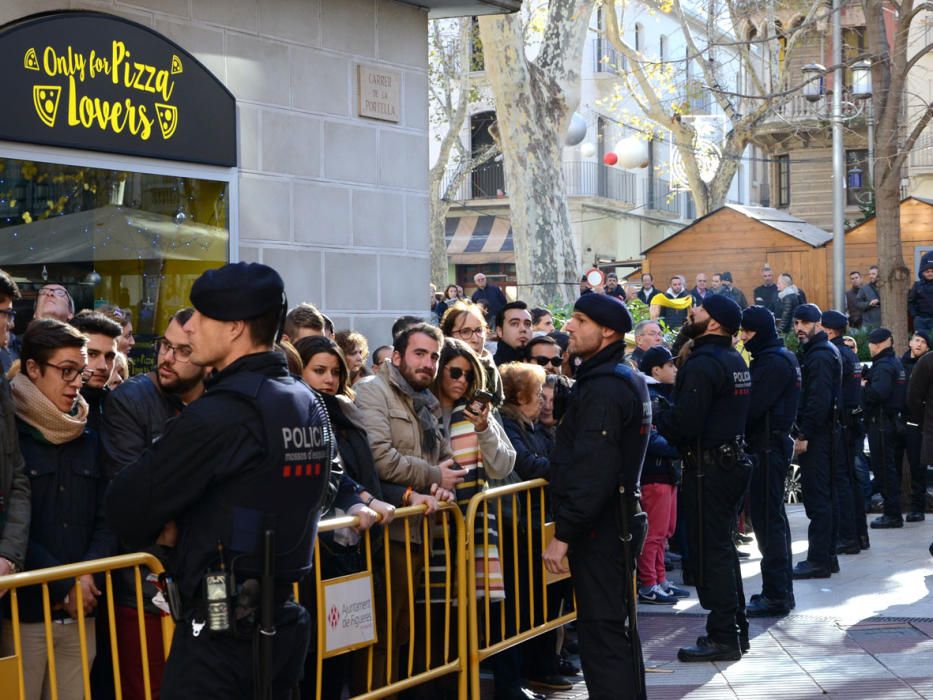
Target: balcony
[(659, 197), (466, 8), (921, 156), (581, 178), (606, 59)]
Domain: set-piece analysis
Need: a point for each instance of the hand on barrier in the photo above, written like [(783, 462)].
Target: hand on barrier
[(441, 494), (89, 594), (416, 499), (385, 510), (555, 557), (6, 568), (169, 535), (450, 477), (368, 517)]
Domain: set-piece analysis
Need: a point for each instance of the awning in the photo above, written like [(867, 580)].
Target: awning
[(478, 240)]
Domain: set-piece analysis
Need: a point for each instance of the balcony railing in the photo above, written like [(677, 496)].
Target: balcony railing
[(658, 196), (606, 59), (921, 156), (581, 178)]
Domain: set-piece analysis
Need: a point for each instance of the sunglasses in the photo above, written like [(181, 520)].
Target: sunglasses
[(455, 374), (545, 361)]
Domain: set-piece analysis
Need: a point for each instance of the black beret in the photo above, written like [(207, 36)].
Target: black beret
[(808, 312), (723, 310), (657, 356), (238, 292), (605, 310), (835, 320), (760, 321), (879, 335)]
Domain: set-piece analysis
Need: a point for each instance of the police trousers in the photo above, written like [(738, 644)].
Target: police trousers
[(882, 443), (843, 475), (223, 667), (769, 519), (818, 499), (608, 653), (711, 541), (909, 445)]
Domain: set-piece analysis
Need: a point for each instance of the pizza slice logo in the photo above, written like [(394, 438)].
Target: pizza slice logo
[(176, 65), (30, 62), (168, 119), (45, 98)]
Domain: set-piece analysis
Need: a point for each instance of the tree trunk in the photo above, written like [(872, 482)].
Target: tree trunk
[(534, 102), (437, 223), (894, 275)]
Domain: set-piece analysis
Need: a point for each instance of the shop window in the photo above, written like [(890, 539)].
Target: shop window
[(111, 237), (782, 180)]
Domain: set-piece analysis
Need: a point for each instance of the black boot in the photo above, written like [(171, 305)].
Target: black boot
[(708, 650), (849, 548), (887, 521), (805, 569), (763, 606), (916, 517)]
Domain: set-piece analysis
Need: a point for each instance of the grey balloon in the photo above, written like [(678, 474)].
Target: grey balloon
[(577, 131)]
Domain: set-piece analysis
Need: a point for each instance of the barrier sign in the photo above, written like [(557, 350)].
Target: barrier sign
[(93, 81), (349, 617)]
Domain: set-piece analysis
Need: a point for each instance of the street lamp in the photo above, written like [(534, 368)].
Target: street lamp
[(861, 80), (813, 81)]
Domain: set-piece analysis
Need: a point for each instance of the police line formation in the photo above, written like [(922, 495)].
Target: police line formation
[(255, 422)]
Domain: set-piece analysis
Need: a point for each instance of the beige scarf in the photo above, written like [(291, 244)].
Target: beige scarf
[(36, 409)]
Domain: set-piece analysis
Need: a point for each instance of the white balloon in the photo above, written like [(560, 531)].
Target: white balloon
[(577, 131), (588, 150), (632, 152)]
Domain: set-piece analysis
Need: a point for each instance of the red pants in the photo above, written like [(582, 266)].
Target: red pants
[(659, 501), (131, 668)]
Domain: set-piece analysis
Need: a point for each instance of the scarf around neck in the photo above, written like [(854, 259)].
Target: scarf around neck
[(36, 409), (426, 407)]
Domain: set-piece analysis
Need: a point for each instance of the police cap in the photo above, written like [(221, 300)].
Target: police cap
[(605, 310), (723, 310), (835, 320), (810, 313), (879, 335), (657, 356), (238, 292)]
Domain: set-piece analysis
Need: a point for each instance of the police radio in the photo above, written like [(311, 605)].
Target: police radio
[(217, 596)]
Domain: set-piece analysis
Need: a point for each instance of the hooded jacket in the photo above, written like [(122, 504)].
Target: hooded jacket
[(920, 296)]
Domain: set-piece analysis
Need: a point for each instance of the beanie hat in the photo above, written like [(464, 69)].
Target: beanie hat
[(725, 311)]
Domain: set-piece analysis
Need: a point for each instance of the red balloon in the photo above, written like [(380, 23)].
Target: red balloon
[(610, 158)]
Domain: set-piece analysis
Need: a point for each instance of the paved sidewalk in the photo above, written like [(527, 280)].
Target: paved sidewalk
[(866, 633)]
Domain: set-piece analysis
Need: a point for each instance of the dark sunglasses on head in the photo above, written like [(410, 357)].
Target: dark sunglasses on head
[(455, 373), (543, 361)]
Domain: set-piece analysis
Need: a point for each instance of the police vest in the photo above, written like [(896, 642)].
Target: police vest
[(285, 491), (728, 411)]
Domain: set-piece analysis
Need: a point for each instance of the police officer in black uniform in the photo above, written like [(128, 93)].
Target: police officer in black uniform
[(821, 374), (773, 409), (853, 526), (707, 424), (595, 467), (883, 398), (242, 472)]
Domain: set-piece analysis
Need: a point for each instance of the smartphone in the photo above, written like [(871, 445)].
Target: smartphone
[(480, 399)]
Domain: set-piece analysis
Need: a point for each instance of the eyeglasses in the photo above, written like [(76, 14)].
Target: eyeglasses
[(545, 361), (467, 333), (69, 373), (9, 313), (59, 292), (455, 373), (182, 352)]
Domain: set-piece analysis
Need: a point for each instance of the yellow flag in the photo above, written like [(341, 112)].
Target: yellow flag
[(682, 303)]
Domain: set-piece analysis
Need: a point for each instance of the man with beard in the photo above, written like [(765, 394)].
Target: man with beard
[(821, 382), (707, 425), (134, 417), (766, 293), (771, 414), (402, 420), (102, 333), (598, 454)]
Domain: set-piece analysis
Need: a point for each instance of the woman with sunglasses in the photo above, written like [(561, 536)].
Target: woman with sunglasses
[(465, 321)]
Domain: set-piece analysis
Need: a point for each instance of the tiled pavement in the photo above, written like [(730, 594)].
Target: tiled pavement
[(866, 633)]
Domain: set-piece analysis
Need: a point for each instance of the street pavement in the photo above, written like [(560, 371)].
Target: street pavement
[(866, 633)]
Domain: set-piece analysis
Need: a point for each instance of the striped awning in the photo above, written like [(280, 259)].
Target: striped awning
[(475, 240)]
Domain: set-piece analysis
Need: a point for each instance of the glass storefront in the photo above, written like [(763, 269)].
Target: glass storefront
[(111, 237)]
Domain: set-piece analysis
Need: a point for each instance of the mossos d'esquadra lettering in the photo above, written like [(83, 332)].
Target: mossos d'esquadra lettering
[(305, 437), (117, 65)]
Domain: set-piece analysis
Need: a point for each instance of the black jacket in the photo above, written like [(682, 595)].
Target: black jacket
[(851, 378), (532, 445), (600, 443), (493, 296), (775, 391), (645, 297), (95, 403), (711, 396), (852, 308), (886, 388), (68, 523), (14, 484), (920, 299), (766, 295), (506, 353), (920, 403), (784, 311), (821, 386), (674, 318), (661, 455)]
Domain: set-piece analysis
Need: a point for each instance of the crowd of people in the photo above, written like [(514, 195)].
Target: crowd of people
[(483, 392)]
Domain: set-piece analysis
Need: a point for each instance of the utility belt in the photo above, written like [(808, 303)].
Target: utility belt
[(727, 455), (852, 418), (222, 606)]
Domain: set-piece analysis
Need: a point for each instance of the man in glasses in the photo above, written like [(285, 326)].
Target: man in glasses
[(134, 417), (102, 333), (67, 521), (54, 301), (647, 335), (545, 351)]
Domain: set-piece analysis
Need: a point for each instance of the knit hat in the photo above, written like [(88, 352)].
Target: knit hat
[(605, 310), (760, 321), (810, 313), (724, 310), (926, 337)]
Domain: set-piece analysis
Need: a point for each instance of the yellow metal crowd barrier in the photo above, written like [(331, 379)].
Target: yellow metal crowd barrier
[(12, 683), (424, 608)]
